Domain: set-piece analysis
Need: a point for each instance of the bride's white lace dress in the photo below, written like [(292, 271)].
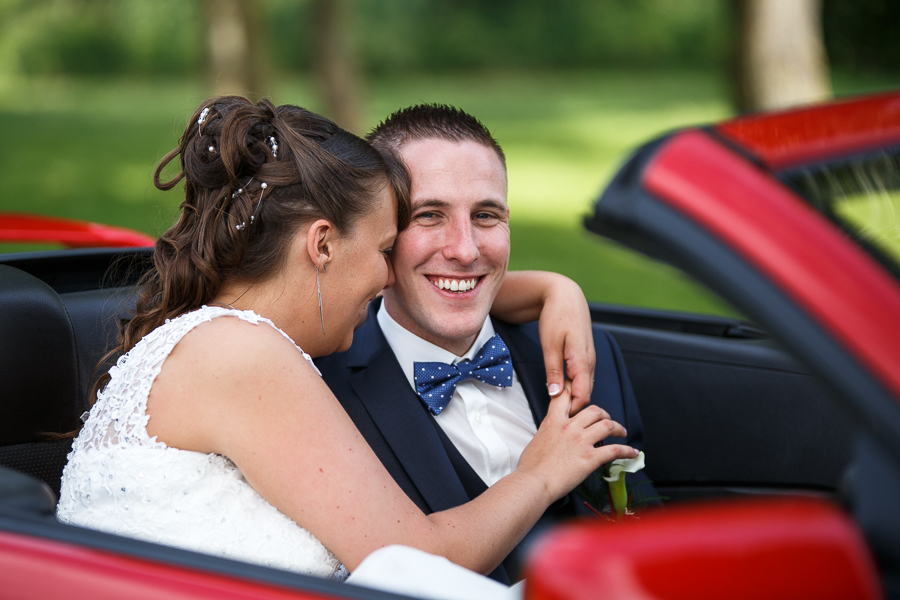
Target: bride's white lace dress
[(121, 480)]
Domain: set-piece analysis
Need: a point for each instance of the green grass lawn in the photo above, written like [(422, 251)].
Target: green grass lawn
[(87, 149)]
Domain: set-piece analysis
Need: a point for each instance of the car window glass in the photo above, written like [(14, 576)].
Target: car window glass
[(863, 198)]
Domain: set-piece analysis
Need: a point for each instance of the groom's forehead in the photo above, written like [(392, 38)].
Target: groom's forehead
[(453, 172)]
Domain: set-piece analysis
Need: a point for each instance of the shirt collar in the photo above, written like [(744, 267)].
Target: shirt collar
[(410, 348)]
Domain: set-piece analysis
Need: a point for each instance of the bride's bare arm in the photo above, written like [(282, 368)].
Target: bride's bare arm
[(243, 391), (565, 326)]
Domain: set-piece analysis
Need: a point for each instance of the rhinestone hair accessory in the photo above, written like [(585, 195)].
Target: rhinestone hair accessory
[(262, 189)]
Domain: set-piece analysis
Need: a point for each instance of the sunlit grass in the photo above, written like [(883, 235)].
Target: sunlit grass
[(86, 149), (876, 216)]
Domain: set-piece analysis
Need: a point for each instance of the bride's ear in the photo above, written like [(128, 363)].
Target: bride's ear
[(320, 242)]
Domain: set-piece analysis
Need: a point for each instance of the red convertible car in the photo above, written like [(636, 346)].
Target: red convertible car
[(775, 440)]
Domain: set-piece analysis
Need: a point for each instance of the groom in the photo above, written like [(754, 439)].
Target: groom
[(445, 446)]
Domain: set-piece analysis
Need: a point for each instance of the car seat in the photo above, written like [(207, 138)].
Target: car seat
[(40, 377)]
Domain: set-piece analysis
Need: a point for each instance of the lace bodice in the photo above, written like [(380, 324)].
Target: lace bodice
[(121, 480)]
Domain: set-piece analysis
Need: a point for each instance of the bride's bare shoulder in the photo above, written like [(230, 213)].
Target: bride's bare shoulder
[(218, 371), (229, 338)]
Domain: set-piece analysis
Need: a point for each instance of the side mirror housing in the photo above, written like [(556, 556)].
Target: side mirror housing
[(777, 548)]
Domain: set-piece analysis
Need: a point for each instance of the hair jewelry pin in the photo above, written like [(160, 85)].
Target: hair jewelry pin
[(200, 121), (273, 145), (262, 188)]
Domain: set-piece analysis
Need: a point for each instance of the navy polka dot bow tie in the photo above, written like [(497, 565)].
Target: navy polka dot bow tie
[(436, 382)]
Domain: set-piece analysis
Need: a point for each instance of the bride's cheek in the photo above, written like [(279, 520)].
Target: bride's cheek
[(361, 318)]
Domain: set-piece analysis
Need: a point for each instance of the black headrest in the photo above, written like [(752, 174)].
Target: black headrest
[(95, 316), (20, 492), (39, 377)]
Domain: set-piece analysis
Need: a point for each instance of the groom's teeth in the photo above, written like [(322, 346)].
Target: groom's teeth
[(455, 285)]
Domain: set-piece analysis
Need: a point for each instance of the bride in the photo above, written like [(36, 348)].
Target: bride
[(214, 431)]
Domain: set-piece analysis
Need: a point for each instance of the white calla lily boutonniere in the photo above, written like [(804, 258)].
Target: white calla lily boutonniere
[(614, 474)]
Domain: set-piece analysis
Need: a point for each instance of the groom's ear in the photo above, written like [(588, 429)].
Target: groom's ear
[(320, 242)]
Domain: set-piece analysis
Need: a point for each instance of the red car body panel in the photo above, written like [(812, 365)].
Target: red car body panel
[(68, 232), (817, 132), (34, 568), (790, 549), (850, 294)]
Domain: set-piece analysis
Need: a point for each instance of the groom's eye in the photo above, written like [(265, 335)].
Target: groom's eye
[(427, 216), (485, 218)]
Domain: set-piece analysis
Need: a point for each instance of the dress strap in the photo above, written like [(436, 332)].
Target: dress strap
[(252, 317)]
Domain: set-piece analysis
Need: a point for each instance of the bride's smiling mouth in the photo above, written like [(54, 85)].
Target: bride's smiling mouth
[(457, 285)]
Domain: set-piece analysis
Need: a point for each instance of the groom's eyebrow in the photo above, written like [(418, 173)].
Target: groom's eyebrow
[(431, 203), (490, 203)]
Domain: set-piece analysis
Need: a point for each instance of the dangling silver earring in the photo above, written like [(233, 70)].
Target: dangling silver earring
[(319, 291)]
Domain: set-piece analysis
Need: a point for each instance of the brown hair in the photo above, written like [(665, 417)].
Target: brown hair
[(431, 121), (311, 169)]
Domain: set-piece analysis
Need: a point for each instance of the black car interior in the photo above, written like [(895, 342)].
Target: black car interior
[(726, 411)]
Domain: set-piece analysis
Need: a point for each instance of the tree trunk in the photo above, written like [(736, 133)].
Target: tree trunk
[(336, 63), (234, 42), (781, 58)]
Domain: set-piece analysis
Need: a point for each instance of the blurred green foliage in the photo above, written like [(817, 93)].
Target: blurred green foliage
[(449, 34), (101, 37), (167, 36)]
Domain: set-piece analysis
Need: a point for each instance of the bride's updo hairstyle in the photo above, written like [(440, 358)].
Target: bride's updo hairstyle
[(253, 175)]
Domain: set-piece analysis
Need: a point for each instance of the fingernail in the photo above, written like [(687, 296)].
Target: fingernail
[(554, 389)]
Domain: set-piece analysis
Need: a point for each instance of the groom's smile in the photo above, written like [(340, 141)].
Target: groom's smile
[(458, 286), (450, 261)]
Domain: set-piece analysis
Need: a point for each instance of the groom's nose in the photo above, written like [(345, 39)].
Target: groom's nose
[(460, 243)]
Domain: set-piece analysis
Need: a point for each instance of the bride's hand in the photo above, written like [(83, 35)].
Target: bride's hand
[(564, 452), (567, 340)]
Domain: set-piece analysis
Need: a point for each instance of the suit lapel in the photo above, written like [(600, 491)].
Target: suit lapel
[(383, 389), (528, 362)]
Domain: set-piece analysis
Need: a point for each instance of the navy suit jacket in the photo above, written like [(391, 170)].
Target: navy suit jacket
[(369, 382)]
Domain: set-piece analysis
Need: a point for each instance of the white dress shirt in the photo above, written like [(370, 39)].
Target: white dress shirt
[(489, 425)]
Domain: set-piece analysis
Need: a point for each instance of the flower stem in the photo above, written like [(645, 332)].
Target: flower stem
[(619, 496)]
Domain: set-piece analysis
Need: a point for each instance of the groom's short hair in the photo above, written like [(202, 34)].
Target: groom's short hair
[(431, 121)]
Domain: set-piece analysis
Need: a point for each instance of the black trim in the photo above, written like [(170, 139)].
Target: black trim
[(680, 322), (87, 269)]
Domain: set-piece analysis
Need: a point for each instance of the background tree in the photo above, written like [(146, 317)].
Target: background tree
[(781, 58), (236, 60), (336, 63)]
